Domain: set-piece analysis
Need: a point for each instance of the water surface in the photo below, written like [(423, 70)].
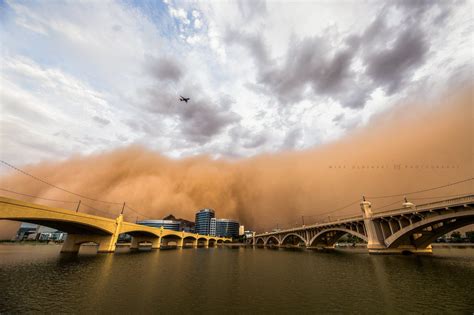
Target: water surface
[(36, 278)]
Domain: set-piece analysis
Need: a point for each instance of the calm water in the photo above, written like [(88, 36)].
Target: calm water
[(224, 280)]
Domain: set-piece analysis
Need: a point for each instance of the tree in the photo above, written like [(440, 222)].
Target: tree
[(456, 237), (470, 236)]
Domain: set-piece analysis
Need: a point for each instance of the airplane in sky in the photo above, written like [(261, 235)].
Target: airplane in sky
[(183, 99)]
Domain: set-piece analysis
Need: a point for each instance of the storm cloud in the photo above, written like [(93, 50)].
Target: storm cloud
[(164, 68), (390, 53), (262, 77)]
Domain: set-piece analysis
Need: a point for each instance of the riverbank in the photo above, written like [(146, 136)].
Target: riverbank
[(338, 245)]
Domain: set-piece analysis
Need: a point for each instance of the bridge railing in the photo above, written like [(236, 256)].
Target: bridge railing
[(320, 224), (427, 206)]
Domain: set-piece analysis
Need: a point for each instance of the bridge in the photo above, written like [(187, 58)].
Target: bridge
[(411, 228), (85, 228)]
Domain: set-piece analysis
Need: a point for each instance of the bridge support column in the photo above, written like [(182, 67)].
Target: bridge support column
[(106, 242), (107, 245), (70, 245), (155, 244), (375, 241), (409, 249)]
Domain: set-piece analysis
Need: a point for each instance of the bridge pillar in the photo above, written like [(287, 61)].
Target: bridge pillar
[(70, 245), (375, 241), (106, 243), (156, 242), (110, 248)]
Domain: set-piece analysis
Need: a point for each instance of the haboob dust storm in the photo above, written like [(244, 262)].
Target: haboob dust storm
[(410, 147)]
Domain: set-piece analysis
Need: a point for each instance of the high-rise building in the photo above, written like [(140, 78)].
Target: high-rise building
[(225, 228), (203, 221), (212, 228), (241, 230)]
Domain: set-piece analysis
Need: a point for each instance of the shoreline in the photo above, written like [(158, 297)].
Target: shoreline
[(341, 246)]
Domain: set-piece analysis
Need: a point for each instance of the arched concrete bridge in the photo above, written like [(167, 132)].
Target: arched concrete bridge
[(407, 229), (83, 228)]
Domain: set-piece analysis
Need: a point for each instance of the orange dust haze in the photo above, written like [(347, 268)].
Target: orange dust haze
[(408, 148)]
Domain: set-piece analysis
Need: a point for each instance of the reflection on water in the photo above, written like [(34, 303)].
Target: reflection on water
[(39, 279)]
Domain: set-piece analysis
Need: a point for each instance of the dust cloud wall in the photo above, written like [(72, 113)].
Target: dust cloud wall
[(408, 148)]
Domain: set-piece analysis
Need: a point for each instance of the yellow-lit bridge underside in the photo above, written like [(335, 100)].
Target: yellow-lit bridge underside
[(84, 228)]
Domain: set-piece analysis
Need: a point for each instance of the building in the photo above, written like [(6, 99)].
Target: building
[(25, 230), (44, 233), (212, 228), (170, 223), (186, 226), (241, 230), (224, 228), (249, 234), (166, 224), (33, 232), (203, 221)]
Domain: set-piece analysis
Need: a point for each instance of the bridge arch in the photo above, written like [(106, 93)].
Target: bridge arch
[(140, 233), (189, 241), (272, 240), (287, 237), (330, 236), (67, 226), (422, 233), (201, 241), (172, 239), (56, 218), (212, 242), (259, 241)]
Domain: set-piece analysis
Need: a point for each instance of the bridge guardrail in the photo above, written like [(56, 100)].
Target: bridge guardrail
[(302, 228), (427, 206)]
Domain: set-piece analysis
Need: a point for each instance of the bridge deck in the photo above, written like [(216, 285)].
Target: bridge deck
[(431, 206), (16, 210)]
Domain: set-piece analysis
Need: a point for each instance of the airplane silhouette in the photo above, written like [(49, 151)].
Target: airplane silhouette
[(183, 99)]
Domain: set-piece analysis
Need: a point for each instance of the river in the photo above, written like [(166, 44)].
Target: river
[(37, 278)]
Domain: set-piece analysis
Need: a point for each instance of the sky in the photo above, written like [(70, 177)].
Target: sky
[(83, 77)]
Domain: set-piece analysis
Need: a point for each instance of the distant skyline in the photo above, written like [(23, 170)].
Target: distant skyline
[(83, 77)]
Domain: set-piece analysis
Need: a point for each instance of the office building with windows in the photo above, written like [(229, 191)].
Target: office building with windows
[(224, 228), (203, 221), (166, 224)]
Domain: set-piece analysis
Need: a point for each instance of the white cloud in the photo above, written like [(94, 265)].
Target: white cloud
[(88, 85), (180, 14), (197, 23)]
